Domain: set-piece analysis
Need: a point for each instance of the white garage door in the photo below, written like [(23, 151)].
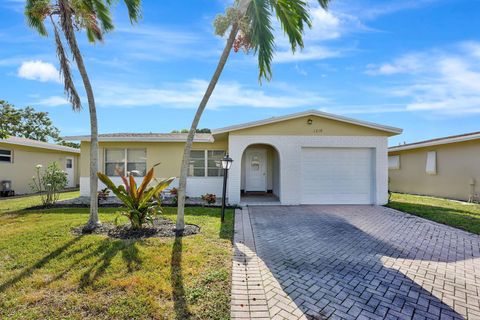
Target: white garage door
[(337, 176)]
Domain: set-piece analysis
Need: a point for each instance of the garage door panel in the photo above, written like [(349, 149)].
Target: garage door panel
[(336, 175)]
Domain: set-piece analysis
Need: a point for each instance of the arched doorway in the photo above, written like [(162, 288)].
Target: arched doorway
[(260, 174)]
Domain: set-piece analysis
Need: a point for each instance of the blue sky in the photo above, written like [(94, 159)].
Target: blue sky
[(410, 64)]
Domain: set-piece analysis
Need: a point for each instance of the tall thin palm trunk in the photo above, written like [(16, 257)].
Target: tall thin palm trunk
[(191, 134), (66, 21)]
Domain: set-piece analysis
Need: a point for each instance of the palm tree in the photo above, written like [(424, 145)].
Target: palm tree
[(251, 28), (94, 17)]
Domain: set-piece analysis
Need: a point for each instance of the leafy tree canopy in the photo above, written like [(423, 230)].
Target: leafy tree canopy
[(28, 123)]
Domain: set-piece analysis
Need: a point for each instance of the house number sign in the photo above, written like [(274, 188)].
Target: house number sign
[(317, 131)]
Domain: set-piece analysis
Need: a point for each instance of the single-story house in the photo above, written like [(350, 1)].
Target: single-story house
[(309, 157), (446, 167), (19, 156)]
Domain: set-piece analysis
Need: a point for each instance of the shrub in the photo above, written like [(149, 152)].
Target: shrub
[(174, 194), (103, 194), (49, 182), (209, 198), (142, 202)]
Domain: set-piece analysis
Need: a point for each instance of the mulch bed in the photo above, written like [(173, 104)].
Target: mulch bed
[(161, 228)]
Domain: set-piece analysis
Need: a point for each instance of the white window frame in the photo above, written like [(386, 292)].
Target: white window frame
[(10, 155), (205, 155), (125, 161), (431, 163), (394, 162)]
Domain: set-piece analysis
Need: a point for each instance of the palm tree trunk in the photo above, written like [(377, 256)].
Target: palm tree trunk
[(191, 134), (67, 27)]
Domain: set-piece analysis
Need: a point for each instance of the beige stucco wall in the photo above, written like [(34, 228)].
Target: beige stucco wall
[(457, 164), (319, 127), (25, 159), (169, 154)]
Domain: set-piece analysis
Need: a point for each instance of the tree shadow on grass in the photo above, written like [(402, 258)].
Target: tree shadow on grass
[(39, 264), (178, 290), (107, 250)]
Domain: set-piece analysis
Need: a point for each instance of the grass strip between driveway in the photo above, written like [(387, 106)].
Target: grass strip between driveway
[(457, 214)]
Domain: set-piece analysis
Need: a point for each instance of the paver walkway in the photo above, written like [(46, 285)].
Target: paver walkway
[(351, 262)]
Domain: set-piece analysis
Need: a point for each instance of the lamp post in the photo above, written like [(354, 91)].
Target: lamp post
[(226, 164)]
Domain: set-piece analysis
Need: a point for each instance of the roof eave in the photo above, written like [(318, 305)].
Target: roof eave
[(390, 129), (135, 139), (53, 148), (433, 143)]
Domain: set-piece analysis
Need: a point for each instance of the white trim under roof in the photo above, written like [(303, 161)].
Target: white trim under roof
[(144, 137), (436, 142), (38, 144), (308, 113)]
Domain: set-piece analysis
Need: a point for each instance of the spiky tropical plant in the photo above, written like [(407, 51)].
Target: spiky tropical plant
[(140, 201), (67, 16), (250, 25)]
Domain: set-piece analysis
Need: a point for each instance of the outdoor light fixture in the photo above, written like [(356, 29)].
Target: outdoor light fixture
[(226, 164), (309, 121)]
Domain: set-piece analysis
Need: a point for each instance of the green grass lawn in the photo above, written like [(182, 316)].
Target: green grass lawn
[(48, 273), (457, 214), (19, 203)]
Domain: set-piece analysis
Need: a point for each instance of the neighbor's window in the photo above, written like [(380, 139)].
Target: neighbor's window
[(206, 163), (5, 155), (431, 167), (394, 162), (116, 160)]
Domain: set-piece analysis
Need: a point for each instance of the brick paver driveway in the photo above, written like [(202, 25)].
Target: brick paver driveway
[(359, 262)]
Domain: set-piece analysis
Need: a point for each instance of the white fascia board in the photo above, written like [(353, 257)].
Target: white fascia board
[(308, 113)]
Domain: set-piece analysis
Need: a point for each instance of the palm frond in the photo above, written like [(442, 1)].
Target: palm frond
[(261, 37), (134, 9), (103, 14), (36, 12), (292, 15), (69, 86), (324, 3)]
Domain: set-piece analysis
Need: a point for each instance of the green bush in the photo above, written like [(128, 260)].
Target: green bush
[(49, 182)]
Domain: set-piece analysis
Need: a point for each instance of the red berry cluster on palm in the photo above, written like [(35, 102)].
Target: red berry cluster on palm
[(241, 41)]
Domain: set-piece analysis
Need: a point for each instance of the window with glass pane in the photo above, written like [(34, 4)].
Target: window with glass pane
[(214, 158), (137, 162), (196, 167), (115, 162), (5, 155)]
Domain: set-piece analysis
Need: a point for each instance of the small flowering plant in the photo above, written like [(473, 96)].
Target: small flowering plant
[(49, 182), (209, 198)]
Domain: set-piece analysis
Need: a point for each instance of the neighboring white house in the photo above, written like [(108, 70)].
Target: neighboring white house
[(309, 157)]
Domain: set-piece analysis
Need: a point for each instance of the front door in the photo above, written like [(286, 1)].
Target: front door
[(256, 170), (70, 170)]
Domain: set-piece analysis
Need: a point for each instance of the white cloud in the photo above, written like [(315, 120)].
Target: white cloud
[(39, 70), (53, 101), (409, 63), (438, 81), (189, 94), (307, 54)]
